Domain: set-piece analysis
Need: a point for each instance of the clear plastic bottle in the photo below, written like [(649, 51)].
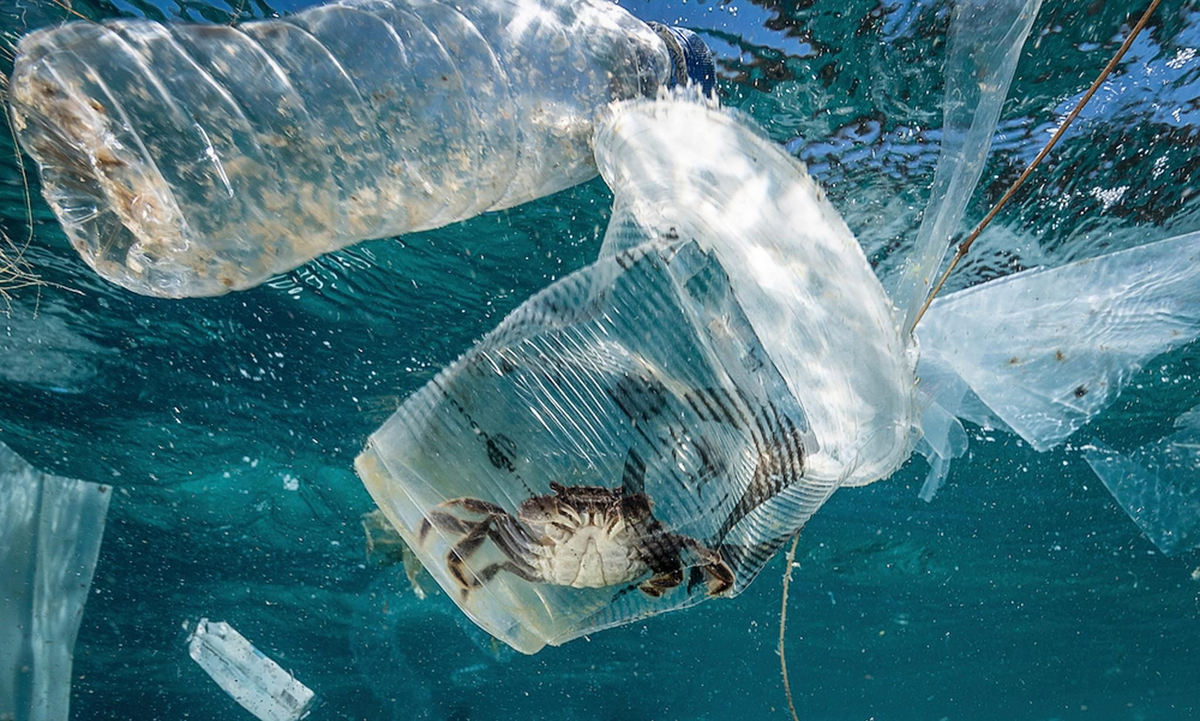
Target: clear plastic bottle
[(190, 160)]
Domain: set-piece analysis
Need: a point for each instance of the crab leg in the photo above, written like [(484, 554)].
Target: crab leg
[(720, 575), (515, 569), (509, 537), (456, 559), (474, 505), (450, 522), (443, 521), (514, 542)]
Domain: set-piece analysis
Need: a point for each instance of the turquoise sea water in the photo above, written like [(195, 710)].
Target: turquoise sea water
[(228, 426)]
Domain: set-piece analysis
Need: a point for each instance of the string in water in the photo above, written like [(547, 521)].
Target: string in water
[(787, 581)]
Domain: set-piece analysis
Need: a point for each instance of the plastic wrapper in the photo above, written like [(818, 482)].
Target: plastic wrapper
[(255, 681), (647, 432), (190, 160), (50, 533)]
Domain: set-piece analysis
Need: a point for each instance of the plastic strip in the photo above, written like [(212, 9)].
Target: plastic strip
[(986, 37), (50, 533)]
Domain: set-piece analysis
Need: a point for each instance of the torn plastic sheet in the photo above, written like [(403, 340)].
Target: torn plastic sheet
[(1158, 484), (1046, 350), (252, 679), (50, 533)]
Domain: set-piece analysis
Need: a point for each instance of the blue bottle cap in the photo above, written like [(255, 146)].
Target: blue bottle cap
[(691, 60)]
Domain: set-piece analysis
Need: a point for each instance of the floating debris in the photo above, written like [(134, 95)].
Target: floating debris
[(192, 160), (256, 682), (50, 533)]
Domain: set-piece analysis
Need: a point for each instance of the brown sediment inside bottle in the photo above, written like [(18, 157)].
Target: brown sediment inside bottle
[(131, 221)]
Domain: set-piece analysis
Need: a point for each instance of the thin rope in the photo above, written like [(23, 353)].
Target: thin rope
[(1012, 189), (787, 581)]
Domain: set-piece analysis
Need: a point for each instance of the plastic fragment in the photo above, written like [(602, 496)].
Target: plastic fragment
[(50, 533), (252, 679), (1158, 484)]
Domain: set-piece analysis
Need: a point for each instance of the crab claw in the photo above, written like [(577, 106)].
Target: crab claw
[(660, 583)]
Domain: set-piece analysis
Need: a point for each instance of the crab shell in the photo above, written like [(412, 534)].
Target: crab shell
[(590, 536)]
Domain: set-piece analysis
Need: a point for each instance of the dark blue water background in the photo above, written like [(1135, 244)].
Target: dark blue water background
[(228, 426)]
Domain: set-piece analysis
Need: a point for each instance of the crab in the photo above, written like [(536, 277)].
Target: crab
[(579, 536)]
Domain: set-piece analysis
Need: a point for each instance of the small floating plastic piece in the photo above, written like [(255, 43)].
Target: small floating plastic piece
[(256, 682), (1158, 484), (191, 160), (50, 533), (646, 432)]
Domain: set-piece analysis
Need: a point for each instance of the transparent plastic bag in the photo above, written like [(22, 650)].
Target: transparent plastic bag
[(190, 160)]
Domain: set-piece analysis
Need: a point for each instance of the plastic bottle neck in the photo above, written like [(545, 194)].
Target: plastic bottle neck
[(691, 60)]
